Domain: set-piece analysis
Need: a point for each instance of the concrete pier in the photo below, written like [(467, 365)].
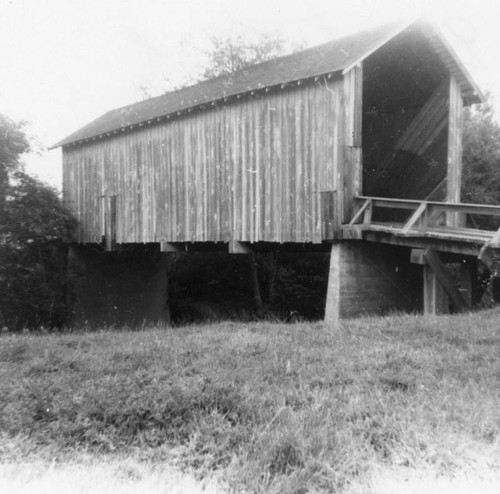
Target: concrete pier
[(368, 278)]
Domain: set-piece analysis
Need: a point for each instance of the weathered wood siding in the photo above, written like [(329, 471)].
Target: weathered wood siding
[(353, 163), (247, 170)]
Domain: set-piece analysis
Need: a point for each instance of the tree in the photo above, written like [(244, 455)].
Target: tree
[(481, 161), (229, 55), (481, 155), (13, 143), (33, 225), (226, 56)]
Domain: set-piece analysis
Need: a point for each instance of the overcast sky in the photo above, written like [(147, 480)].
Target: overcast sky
[(65, 62)]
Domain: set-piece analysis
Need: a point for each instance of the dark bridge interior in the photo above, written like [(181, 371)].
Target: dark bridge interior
[(405, 111)]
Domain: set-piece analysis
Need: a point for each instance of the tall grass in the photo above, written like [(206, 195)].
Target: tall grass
[(264, 407)]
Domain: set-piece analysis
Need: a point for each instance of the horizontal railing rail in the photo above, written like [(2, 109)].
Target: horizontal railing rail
[(455, 207), (422, 213)]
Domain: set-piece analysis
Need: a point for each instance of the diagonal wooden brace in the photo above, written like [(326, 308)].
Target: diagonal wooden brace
[(432, 260), (419, 213), (366, 209)]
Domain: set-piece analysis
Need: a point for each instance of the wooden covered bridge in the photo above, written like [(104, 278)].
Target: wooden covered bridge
[(354, 145)]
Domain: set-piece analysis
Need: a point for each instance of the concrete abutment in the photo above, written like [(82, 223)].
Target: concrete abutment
[(367, 278)]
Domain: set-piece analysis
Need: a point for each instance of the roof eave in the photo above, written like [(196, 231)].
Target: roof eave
[(470, 90)]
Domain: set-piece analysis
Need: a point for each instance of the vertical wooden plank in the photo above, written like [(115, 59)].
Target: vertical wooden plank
[(213, 171), (223, 176), (238, 192), (291, 198), (267, 171), (228, 205), (259, 175), (300, 175), (173, 184), (307, 191), (198, 190), (276, 167), (192, 198), (468, 281), (204, 125), (249, 171), (254, 132), (285, 167), (314, 164)]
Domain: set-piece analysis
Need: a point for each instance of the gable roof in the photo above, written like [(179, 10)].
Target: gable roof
[(328, 58)]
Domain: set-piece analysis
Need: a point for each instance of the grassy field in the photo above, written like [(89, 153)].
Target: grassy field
[(398, 404)]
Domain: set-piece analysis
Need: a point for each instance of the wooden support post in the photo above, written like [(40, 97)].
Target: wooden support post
[(454, 172), (443, 277), (468, 276), (439, 285), (254, 280), (435, 298)]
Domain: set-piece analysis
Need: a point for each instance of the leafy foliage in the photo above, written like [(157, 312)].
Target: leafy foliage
[(229, 55), (13, 143), (217, 286), (33, 224), (481, 156)]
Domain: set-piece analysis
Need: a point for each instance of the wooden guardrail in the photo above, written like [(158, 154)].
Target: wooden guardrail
[(421, 212)]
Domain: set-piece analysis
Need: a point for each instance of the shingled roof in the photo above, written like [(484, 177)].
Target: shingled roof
[(328, 58)]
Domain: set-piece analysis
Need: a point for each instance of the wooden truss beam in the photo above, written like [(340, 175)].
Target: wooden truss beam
[(427, 125)]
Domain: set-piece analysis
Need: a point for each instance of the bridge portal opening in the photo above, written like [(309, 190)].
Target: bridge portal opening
[(405, 120)]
